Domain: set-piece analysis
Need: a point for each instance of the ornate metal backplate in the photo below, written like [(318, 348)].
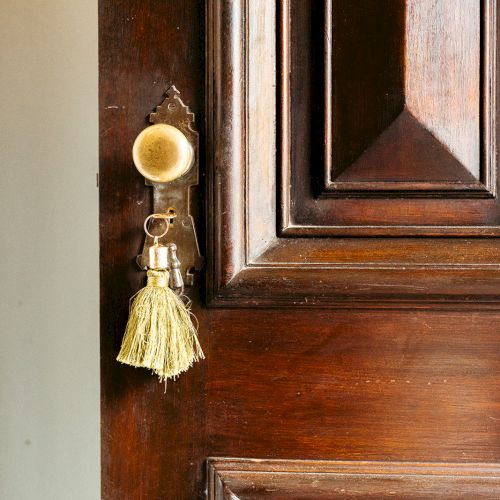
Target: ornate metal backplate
[(175, 196)]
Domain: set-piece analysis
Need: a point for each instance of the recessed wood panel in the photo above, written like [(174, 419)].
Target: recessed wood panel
[(354, 385)]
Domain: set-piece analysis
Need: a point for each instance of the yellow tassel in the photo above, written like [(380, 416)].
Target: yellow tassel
[(160, 334)]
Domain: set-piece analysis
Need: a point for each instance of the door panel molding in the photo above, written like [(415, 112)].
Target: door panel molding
[(236, 478), (256, 258), (388, 151)]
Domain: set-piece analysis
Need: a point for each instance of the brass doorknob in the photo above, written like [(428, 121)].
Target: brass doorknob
[(162, 153)]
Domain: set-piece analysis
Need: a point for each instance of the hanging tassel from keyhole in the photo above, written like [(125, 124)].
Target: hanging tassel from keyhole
[(160, 334)]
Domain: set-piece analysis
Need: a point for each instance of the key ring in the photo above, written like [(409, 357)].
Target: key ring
[(156, 216)]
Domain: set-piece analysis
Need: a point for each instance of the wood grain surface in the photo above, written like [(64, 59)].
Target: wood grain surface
[(320, 347)]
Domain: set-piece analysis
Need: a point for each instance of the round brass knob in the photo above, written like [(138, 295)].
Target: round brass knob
[(162, 153)]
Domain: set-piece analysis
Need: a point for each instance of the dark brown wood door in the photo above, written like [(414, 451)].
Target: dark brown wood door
[(349, 308)]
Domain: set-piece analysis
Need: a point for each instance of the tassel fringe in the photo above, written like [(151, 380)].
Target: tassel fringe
[(160, 334)]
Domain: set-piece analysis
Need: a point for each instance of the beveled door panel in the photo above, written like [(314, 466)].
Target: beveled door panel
[(404, 87), (401, 135)]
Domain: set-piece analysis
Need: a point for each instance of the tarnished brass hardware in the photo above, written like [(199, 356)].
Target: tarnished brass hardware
[(166, 154), (162, 153), (174, 266)]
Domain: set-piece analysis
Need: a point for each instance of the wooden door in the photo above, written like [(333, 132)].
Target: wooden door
[(350, 304)]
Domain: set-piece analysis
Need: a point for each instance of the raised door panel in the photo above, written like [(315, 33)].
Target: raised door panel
[(401, 117), (351, 152)]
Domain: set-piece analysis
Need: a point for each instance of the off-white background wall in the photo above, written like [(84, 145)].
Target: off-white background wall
[(49, 358)]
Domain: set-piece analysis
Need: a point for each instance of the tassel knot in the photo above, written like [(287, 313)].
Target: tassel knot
[(158, 278)]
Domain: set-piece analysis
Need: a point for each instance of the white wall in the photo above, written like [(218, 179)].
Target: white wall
[(49, 358)]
